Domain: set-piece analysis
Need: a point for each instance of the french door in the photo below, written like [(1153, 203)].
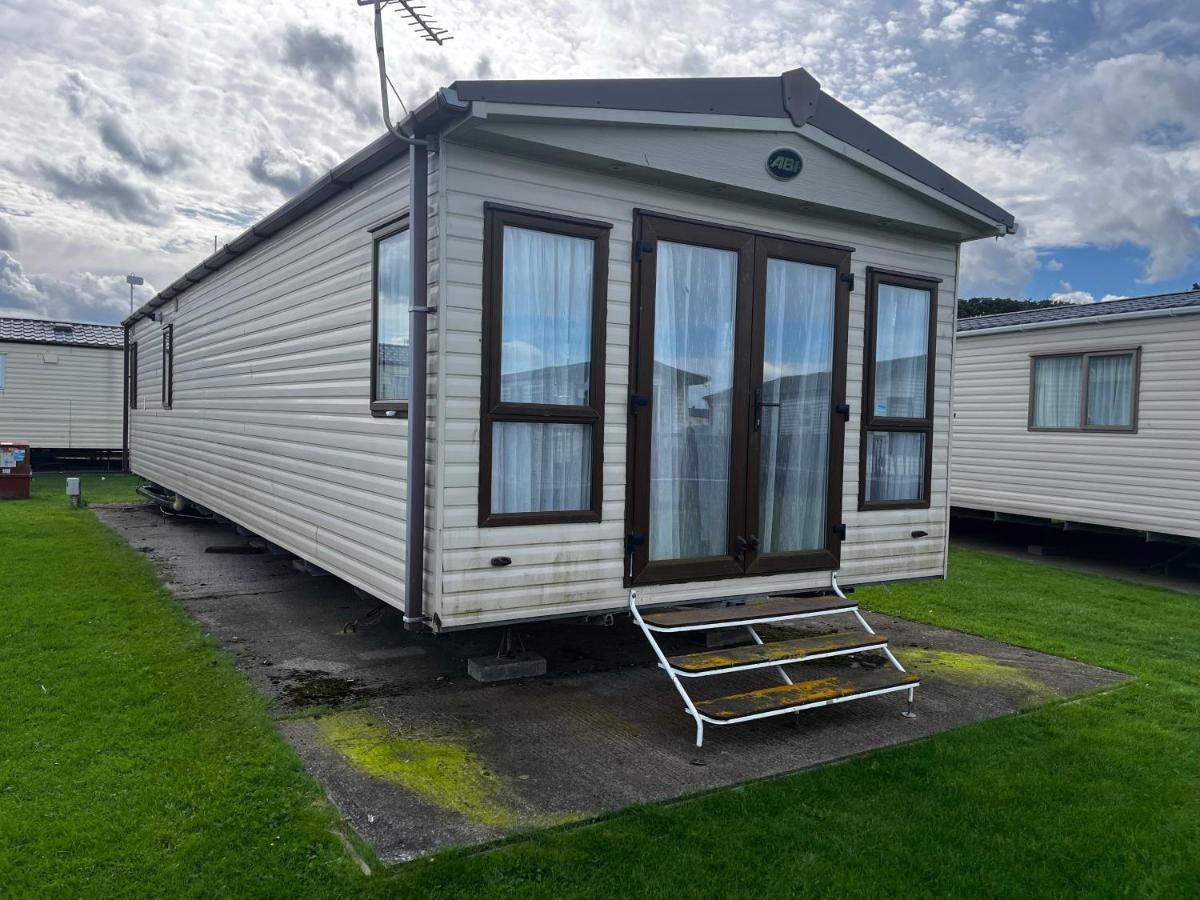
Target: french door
[(737, 403)]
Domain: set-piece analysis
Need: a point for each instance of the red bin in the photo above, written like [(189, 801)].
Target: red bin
[(15, 471)]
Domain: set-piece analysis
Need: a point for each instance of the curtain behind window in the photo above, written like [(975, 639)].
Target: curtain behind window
[(901, 352), (394, 290), (895, 465), (691, 430), (1110, 390), (545, 358), (797, 397), (546, 328), (1057, 382), (541, 467)]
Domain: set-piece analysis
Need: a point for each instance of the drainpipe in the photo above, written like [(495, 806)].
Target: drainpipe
[(125, 404), (414, 526)]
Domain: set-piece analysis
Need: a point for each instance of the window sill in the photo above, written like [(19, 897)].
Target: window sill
[(878, 505), (1094, 429), (499, 520)]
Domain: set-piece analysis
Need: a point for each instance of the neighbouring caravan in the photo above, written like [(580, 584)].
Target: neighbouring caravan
[(688, 335), (60, 389), (1082, 415)]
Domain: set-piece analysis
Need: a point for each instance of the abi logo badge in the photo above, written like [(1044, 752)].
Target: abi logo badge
[(784, 163)]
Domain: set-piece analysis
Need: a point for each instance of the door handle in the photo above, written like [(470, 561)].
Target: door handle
[(759, 403), (744, 545)]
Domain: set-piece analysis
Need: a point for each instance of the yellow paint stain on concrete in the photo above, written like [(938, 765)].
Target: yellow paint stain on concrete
[(975, 669), (443, 772)]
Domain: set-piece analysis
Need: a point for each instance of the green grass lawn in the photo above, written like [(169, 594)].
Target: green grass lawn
[(135, 760)]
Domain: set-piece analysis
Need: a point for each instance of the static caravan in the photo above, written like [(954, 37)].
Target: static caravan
[(1082, 415), (687, 336), (60, 388)]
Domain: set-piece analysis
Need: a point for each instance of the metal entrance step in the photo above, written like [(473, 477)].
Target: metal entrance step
[(784, 698), (776, 653), (781, 698), (774, 609)]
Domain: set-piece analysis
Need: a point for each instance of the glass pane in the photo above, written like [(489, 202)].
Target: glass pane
[(546, 327), (1110, 390), (895, 465), (797, 397), (901, 352), (541, 467), (394, 292), (695, 293), (1056, 386)]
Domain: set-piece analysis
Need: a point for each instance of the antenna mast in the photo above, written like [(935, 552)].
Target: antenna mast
[(425, 27)]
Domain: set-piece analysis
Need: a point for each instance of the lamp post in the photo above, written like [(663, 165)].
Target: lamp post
[(131, 280)]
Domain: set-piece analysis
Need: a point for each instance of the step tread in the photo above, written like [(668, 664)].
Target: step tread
[(785, 696), (797, 650), (682, 616)]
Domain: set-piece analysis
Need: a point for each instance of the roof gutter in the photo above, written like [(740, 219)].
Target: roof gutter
[(1090, 320)]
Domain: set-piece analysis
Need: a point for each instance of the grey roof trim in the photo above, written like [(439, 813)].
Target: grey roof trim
[(428, 118), (1070, 314), (41, 331), (794, 95)]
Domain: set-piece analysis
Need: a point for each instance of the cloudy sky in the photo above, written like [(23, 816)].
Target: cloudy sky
[(134, 132)]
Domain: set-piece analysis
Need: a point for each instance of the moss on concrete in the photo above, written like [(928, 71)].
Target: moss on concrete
[(443, 772), (975, 669)]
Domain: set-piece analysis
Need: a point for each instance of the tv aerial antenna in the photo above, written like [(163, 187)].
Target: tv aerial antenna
[(426, 28)]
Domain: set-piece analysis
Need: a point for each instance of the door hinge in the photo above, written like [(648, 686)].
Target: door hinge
[(644, 247), (848, 278), (636, 402), (633, 540), (840, 530)]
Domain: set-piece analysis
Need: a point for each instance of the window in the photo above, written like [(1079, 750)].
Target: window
[(895, 458), (2, 358), (545, 292), (168, 365), (131, 372), (391, 299), (1084, 391)]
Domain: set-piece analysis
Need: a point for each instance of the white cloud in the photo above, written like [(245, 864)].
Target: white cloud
[(1081, 297), (1052, 265), (86, 297), (128, 144)]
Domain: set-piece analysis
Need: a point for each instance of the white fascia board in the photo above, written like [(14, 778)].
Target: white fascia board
[(482, 109)]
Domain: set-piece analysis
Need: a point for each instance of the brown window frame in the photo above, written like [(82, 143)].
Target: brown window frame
[(397, 409), (131, 365), (1085, 356), (492, 409), (168, 366), (872, 422)]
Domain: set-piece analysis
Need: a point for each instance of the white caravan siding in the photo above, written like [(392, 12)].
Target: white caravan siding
[(1148, 480), (574, 568), (61, 397), (271, 424)]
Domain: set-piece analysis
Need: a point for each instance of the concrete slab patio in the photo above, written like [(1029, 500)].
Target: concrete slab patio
[(419, 757)]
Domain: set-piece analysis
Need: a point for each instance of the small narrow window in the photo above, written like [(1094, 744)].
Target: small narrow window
[(2, 358), (545, 291), (168, 366), (392, 298), (131, 369), (1094, 391), (897, 427)]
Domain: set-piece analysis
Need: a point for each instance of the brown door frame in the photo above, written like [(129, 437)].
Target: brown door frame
[(830, 556), (753, 250)]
